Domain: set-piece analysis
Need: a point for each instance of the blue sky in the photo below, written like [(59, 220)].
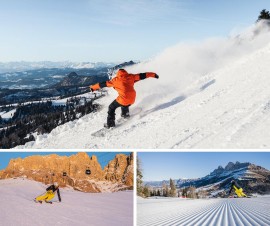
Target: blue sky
[(115, 30), (161, 166), (103, 157)]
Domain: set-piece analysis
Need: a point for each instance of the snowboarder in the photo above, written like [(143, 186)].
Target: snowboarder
[(123, 83), (237, 189), (50, 193)]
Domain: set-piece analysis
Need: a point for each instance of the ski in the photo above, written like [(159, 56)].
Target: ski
[(49, 202)]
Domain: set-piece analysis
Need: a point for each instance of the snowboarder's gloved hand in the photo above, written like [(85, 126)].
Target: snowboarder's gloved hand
[(156, 76)]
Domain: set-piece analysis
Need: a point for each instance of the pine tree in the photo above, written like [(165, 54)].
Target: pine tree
[(139, 178), (264, 15), (192, 192), (173, 188), (184, 192), (146, 191), (164, 189)]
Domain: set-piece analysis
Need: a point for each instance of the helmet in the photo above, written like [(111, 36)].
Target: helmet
[(121, 72), (55, 184)]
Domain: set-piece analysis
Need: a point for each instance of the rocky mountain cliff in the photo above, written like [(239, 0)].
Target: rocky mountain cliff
[(79, 171), (119, 169), (252, 178)]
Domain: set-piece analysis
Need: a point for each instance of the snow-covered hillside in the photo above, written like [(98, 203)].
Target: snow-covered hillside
[(77, 208), (213, 94), (216, 212)]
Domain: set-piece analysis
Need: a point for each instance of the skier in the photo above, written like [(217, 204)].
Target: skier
[(50, 193), (123, 83), (237, 189)]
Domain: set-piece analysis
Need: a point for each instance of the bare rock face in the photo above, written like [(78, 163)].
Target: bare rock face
[(79, 171), (120, 169)]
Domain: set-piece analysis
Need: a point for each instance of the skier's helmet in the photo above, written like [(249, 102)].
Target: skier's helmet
[(56, 184)]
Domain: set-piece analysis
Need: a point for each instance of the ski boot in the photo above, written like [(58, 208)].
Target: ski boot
[(109, 124), (125, 115)]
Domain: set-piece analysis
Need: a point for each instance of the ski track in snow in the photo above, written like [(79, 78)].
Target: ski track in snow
[(211, 212), (228, 108), (77, 208)]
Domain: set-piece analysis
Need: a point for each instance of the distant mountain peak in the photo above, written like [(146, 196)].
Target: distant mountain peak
[(73, 74), (73, 79), (252, 178), (229, 166)]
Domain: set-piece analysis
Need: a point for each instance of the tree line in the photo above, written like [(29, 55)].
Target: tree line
[(167, 190), (264, 15), (146, 191), (40, 118)]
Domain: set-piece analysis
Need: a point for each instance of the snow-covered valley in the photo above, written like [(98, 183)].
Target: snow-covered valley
[(77, 208), (216, 212)]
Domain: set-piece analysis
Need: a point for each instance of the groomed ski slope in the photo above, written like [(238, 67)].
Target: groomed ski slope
[(18, 208), (209, 212), (211, 95)]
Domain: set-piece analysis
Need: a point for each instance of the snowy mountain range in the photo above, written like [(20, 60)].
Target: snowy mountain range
[(252, 178), (45, 77), (25, 65), (159, 184)]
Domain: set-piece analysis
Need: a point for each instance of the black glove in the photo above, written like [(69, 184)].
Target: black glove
[(91, 89), (156, 76)]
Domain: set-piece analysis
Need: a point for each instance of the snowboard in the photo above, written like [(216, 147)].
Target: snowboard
[(103, 131)]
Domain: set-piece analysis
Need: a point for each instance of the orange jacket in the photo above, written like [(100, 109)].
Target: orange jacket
[(123, 83)]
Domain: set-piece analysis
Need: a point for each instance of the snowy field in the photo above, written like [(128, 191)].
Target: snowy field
[(211, 212), (211, 95), (18, 208)]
